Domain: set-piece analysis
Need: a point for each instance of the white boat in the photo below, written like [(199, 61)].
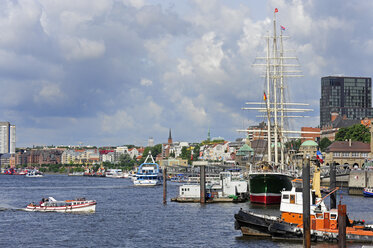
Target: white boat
[(34, 173), (225, 188), (148, 173), (114, 173), (52, 205)]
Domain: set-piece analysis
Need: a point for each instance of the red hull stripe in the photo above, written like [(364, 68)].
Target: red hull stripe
[(269, 199)]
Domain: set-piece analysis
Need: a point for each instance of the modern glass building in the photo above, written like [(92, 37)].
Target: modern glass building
[(348, 96)]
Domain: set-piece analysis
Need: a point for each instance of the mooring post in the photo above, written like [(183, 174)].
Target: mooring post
[(306, 204), (332, 186), (202, 182), (165, 185), (342, 225)]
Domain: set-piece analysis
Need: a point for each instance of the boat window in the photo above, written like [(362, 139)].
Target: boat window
[(333, 216), (319, 216), (285, 196), (292, 199)]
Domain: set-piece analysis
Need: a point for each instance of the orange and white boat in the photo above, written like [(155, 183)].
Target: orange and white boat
[(289, 225), (52, 205)]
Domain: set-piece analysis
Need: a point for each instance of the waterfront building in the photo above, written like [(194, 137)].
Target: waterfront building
[(347, 96), (133, 152), (337, 122), (39, 157), (90, 156), (151, 142), (7, 138), (308, 147), (216, 151), (352, 153), (310, 136), (244, 155), (107, 157)]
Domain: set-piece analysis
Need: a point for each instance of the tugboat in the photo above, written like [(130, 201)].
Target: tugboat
[(324, 222), (52, 205)]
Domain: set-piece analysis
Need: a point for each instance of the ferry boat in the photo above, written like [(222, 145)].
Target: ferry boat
[(148, 173), (289, 225), (34, 173), (368, 192), (52, 205)]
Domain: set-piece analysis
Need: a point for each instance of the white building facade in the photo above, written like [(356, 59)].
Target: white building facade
[(7, 138)]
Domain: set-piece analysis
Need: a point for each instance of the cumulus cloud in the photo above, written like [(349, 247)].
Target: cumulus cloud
[(146, 82), (80, 49), (128, 70)]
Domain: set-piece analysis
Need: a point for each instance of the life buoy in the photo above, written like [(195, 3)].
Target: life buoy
[(333, 226)]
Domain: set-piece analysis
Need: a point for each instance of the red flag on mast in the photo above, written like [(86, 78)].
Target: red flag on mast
[(265, 96)]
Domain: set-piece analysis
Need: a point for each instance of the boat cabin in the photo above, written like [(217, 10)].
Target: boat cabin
[(292, 209)]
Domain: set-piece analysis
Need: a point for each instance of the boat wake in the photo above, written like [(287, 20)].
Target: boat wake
[(6, 207), (70, 187)]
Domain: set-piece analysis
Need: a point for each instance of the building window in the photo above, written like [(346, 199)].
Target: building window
[(336, 154), (364, 154), (354, 154), (345, 154)]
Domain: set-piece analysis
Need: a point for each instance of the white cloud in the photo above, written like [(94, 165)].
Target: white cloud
[(49, 93), (119, 121), (207, 52), (81, 49), (146, 82), (134, 3)]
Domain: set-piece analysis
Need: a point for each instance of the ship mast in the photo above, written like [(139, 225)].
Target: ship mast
[(275, 68), (276, 71), (268, 106)]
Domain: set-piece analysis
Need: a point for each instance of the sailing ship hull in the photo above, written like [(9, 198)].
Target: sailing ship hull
[(265, 188)]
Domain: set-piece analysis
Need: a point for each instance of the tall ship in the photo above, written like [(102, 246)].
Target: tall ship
[(272, 174), (148, 173)]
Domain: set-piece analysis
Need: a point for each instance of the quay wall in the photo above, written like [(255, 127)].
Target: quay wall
[(358, 180)]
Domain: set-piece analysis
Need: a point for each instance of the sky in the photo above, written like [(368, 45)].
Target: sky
[(115, 72)]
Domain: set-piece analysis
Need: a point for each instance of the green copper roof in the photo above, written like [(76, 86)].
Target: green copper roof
[(309, 143), (245, 149)]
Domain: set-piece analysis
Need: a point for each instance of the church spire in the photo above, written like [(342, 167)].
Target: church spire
[(169, 137)]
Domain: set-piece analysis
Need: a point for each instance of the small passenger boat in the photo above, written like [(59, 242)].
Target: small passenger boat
[(52, 205), (34, 173), (368, 192)]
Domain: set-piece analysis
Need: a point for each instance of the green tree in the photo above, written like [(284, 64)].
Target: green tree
[(185, 153), (357, 132), (154, 150), (126, 162), (293, 144), (196, 152), (324, 143)]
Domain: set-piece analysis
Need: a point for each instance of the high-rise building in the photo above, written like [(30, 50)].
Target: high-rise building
[(350, 97), (151, 141), (7, 138)]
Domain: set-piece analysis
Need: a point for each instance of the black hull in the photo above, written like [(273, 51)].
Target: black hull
[(252, 224)]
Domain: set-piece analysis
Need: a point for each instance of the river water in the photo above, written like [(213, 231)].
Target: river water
[(129, 216)]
